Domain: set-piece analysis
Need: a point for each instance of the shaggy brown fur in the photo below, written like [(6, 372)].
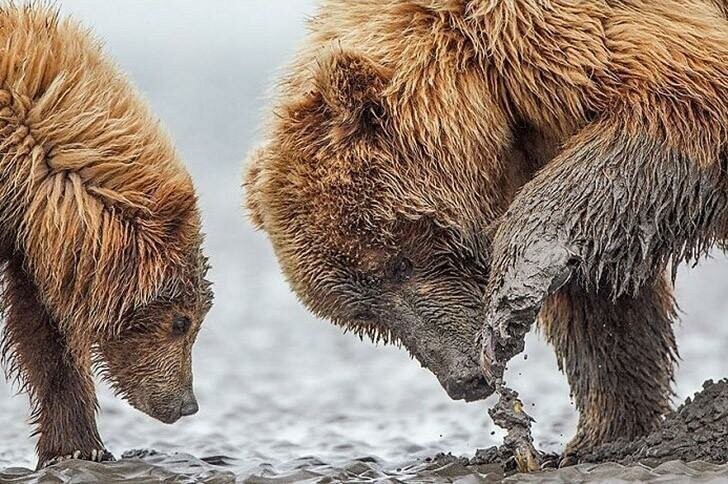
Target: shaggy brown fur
[(404, 129), (100, 236)]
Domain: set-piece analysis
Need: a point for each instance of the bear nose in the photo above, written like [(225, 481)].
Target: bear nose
[(189, 404)]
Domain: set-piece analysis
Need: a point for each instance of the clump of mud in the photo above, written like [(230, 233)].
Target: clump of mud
[(514, 306), (697, 431), (508, 414)]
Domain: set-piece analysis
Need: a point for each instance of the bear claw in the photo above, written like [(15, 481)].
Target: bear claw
[(96, 455), (568, 460)]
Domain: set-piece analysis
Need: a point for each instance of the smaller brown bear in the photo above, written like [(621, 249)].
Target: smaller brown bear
[(100, 238)]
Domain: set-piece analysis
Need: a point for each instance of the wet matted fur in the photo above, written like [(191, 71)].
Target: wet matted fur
[(100, 237)]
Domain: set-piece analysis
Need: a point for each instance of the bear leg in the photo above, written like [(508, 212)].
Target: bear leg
[(60, 387), (597, 228), (619, 357)]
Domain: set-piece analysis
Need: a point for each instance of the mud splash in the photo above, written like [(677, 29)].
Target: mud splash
[(508, 414)]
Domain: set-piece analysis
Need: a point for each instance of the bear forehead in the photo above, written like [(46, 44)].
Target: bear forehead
[(333, 219)]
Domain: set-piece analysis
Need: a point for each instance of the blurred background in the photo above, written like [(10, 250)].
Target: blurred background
[(275, 385)]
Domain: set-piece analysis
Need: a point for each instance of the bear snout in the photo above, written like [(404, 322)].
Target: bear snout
[(189, 404)]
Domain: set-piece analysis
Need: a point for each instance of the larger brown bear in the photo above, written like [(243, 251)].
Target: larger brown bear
[(100, 239), (404, 130)]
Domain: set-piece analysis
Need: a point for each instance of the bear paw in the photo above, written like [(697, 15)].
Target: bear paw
[(96, 455)]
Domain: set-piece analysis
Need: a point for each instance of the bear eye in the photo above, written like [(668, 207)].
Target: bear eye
[(400, 269), (363, 315), (180, 325)]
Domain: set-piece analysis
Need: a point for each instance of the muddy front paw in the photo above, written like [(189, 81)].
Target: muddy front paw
[(521, 281), (95, 455)]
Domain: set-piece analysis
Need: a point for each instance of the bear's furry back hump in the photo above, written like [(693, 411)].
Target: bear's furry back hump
[(64, 108), (430, 65)]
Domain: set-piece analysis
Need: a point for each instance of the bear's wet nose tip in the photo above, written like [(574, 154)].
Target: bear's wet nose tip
[(189, 408), (189, 405)]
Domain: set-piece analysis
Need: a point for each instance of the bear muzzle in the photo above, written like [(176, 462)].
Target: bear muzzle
[(188, 404)]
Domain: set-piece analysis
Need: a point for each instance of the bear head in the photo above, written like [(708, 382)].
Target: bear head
[(148, 359), (368, 231)]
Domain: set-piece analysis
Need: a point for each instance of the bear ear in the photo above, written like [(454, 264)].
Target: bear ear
[(175, 209), (252, 184), (352, 85)]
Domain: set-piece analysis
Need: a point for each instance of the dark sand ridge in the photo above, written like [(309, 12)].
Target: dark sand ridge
[(697, 431)]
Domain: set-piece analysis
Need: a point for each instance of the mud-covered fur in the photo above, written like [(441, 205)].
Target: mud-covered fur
[(100, 240), (623, 209), (600, 345), (430, 115)]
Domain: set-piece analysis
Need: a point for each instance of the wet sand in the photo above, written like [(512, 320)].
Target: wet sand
[(440, 469), (285, 397)]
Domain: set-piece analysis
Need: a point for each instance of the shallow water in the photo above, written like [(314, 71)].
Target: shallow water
[(285, 397)]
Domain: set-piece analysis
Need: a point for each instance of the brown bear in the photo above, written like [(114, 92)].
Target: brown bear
[(100, 240), (404, 129)]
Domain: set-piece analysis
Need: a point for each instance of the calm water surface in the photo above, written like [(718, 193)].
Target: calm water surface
[(285, 397)]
